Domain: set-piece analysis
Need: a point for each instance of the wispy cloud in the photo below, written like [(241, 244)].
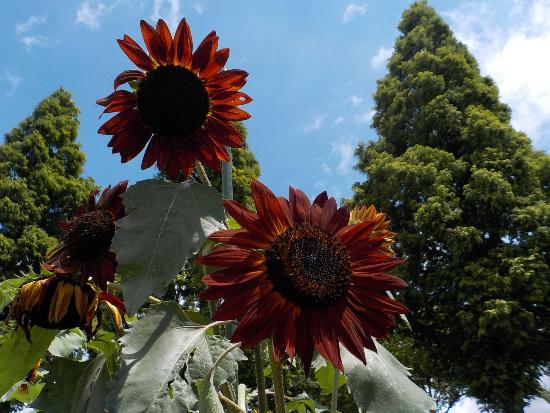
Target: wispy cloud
[(27, 25), (353, 10), (507, 43), (338, 120), (364, 117), (199, 8), (380, 58), (13, 81), (169, 10), (344, 152), (23, 31), (89, 13), (316, 122), (356, 100)]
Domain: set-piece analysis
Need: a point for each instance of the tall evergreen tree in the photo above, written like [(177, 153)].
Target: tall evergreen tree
[(470, 199), (40, 183)]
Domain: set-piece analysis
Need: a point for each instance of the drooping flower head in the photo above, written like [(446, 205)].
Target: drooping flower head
[(86, 246), (300, 273), (60, 302), (183, 103)]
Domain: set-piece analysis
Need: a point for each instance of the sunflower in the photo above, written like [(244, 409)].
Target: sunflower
[(183, 103), (300, 273), (86, 246), (381, 226), (61, 302)]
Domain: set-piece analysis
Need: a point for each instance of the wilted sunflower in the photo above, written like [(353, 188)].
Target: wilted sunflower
[(86, 246), (183, 103), (299, 272), (60, 302)]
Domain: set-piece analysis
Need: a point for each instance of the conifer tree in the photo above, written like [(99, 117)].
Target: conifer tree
[(470, 199), (40, 182)]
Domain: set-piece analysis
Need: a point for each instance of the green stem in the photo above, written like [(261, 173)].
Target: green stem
[(202, 173), (277, 376), (334, 398), (260, 378), (227, 176)]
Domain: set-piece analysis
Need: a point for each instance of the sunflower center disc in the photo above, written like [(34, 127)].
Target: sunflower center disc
[(172, 101), (309, 266), (90, 235)]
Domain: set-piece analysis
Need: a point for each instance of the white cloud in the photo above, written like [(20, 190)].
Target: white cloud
[(27, 25), (380, 58), (13, 80), (364, 117), (356, 100), (316, 122), (338, 120), (199, 8), (89, 13), (344, 152), (326, 168), (34, 40), (169, 10), (353, 10), (466, 405), (509, 43)]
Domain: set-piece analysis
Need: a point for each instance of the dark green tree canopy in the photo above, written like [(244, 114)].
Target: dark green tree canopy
[(470, 199), (40, 183)]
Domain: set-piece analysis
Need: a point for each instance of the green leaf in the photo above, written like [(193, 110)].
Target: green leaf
[(382, 385), (74, 387), (209, 401), (301, 404), (10, 287), (154, 355), (66, 342), (164, 226), (104, 344), (207, 352), (18, 356), (325, 377), (25, 392)]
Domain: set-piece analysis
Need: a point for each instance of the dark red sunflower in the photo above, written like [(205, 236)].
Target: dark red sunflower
[(61, 302), (300, 273), (86, 246), (183, 103)]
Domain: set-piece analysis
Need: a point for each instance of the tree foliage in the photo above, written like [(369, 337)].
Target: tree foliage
[(470, 199), (40, 183)]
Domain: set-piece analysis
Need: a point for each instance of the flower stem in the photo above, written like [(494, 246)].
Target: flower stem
[(260, 379), (277, 376), (334, 398), (202, 173), (227, 176)]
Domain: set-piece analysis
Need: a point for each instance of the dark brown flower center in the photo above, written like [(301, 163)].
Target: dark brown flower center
[(173, 101), (309, 266), (90, 235)]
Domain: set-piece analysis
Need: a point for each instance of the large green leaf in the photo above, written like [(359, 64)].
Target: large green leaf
[(104, 344), (164, 227), (74, 387), (208, 350), (154, 356), (18, 356), (382, 385)]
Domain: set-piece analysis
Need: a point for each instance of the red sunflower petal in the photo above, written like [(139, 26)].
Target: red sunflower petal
[(328, 211), (315, 215), (304, 342), (153, 42), (151, 153), (371, 265), (284, 332), (229, 112), (118, 101), (216, 63), (183, 44), (127, 76), (351, 233), (248, 220), (228, 80), (225, 133), (378, 301), (324, 336), (232, 257), (238, 237), (269, 209), (234, 307), (378, 281), (299, 205), (166, 37), (230, 97), (205, 51), (119, 122), (339, 220), (137, 55), (321, 199)]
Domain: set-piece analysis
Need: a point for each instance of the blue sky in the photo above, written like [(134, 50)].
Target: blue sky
[(313, 68)]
